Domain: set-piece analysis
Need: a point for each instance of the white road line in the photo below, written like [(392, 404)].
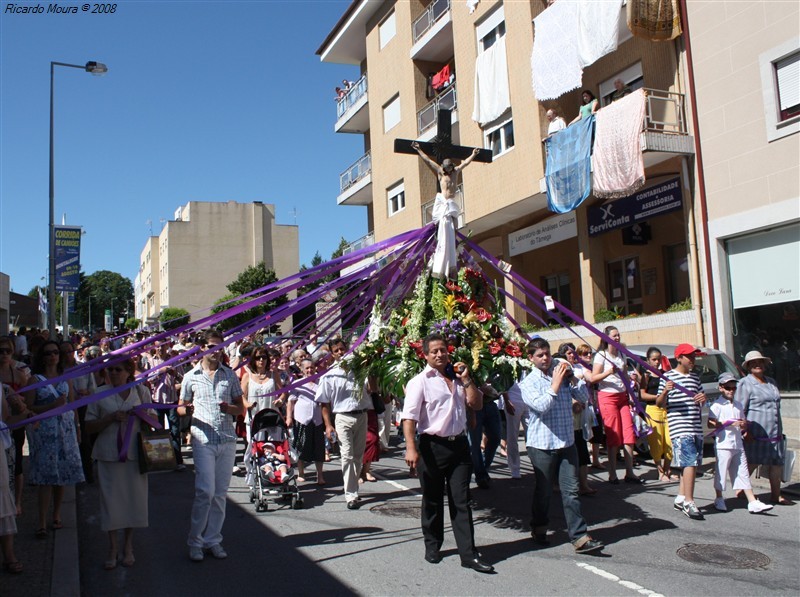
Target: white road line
[(614, 578), (395, 484)]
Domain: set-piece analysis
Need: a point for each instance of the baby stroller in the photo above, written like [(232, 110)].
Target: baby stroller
[(270, 461)]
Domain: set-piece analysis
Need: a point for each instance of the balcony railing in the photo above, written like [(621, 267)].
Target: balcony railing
[(426, 20), (427, 208), (365, 241), (356, 172), (426, 118), (353, 94), (665, 112)]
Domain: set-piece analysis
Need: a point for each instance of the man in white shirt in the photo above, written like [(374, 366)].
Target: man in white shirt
[(556, 122)]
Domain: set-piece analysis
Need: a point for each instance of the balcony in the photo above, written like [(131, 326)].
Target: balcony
[(427, 209), (352, 115), (426, 118), (432, 33), (365, 241), (355, 183), (665, 132)]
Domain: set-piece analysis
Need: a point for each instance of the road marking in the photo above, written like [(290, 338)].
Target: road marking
[(395, 484), (614, 578)]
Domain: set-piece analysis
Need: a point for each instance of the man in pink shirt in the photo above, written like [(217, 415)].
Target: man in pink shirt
[(436, 407)]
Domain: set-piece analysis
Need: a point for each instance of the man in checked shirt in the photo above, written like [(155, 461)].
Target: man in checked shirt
[(551, 394)]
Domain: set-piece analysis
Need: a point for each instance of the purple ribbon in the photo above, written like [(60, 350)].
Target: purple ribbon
[(139, 411)]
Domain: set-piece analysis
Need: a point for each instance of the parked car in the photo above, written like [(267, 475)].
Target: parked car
[(708, 367)]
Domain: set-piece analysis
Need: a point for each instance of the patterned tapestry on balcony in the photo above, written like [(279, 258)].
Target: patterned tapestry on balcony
[(617, 160), (656, 20)]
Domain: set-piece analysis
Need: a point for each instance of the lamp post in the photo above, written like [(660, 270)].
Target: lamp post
[(96, 68)]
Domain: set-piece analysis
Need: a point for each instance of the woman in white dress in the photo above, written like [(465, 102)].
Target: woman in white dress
[(123, 489)]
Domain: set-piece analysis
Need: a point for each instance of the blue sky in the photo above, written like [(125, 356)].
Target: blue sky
[(204, 101)]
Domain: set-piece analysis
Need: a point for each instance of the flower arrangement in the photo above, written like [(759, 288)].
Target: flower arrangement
[(465, 312)]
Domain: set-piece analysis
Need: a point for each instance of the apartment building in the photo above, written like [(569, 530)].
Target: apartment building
[(399, 45), (204, 248), (746, 59)]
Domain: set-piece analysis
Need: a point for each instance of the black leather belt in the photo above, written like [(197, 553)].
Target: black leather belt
[(449, 438), (353, 412)]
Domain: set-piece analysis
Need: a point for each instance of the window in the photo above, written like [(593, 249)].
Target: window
[(391, 113), (631, 76), (677, 273), (625, 285), (397, 198), (780, 86), (491, 29), (500, 137), (557, 286), (387, 29)]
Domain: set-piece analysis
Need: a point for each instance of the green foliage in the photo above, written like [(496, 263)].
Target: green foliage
[(106, 290), (132, 323), (603, 315), (684, 305), (173, 317), (252, 278)]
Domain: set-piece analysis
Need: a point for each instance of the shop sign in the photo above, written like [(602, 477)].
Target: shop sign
[(653, 201), (546, 232)]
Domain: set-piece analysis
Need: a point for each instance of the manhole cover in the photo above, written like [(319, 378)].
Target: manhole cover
[(724, 556), (400, 510)]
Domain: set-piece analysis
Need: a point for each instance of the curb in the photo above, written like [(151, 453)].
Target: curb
[(65, 578)]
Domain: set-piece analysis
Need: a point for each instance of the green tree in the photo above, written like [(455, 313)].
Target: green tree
[(132, 323), (105, 290), (173, 317), (252, 278)]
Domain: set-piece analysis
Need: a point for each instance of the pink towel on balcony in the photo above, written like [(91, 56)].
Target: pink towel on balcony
[(617, 155), (555, 60)]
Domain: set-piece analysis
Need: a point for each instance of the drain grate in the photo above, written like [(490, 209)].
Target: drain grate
[(398, 510), (724, 556)]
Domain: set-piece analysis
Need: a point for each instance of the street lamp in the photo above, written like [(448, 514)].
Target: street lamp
[(95, 68)]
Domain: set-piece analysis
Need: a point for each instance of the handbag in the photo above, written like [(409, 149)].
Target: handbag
[(378, 403), (155, 451)]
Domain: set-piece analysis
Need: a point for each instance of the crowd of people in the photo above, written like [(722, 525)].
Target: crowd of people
[(572, 402)]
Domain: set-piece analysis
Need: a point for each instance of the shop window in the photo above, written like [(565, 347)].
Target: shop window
[(625, 285), (677, 273), (557, 286), (500, 137), (397, 198)]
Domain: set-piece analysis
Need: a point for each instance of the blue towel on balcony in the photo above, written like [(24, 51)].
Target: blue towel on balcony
[(569, 166)]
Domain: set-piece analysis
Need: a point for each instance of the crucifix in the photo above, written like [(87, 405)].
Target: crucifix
[(439, 152)]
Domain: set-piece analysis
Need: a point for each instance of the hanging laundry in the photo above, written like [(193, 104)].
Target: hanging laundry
[(472, 5), (656, 20), (568, 172), (617, 160), (441, 79), (598, 29), (555, 61), (491, 84)]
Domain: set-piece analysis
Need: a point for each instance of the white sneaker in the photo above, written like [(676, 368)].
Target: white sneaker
[(218, 552), (757, 506), (678, 505), (196, 554), (719, 504)]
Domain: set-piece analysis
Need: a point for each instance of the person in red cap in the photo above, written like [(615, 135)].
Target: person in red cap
[(681, 393)]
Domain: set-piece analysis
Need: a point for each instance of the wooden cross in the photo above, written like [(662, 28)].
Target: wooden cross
[(441, 146)]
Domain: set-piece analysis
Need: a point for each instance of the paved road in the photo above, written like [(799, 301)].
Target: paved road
[(377, 550)]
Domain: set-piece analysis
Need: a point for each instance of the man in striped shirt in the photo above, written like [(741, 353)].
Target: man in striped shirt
[(681, 393)]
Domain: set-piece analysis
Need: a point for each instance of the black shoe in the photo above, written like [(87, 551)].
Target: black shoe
[(540, 539), (478, 565), (483, 483), (353, 505), (589, 546), (636, 480), (433, 557)]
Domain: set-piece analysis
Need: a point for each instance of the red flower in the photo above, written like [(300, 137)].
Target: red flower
[(405, 321), (417, 346), (452, 286), (495, 348), (451, 349), (513, 349), (481, 314)]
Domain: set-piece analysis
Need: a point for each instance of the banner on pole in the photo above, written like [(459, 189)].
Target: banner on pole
[(68, 257)]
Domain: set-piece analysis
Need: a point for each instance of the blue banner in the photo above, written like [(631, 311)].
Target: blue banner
[(634, 209), (569, 166), (68, 257)]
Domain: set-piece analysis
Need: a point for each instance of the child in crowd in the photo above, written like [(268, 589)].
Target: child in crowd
[(273, 462), (727, 417)]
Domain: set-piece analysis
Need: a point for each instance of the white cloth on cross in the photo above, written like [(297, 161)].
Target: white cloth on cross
[(445, 212)]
